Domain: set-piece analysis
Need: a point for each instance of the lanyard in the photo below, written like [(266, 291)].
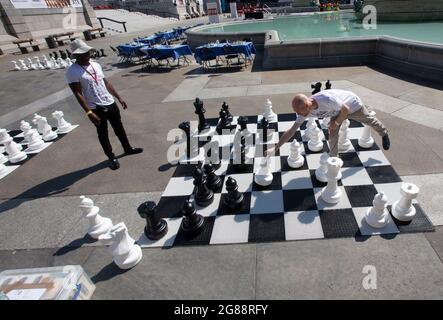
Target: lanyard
[(94, 76)]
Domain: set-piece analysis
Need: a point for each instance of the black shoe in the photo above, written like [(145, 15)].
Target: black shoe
[(386, 142), (114, 164), (133, 151)]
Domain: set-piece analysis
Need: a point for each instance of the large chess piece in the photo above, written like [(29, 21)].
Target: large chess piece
[(366, 141), (266, 134), (203, 195), (403, 209), (315, 144), (46, 63), (269, 114), (322, 171), (200, 111), (295, 159), (213, 181), (68, 62), (191, 144), (328, 85), (126, 254), (155, 228), (264, 176), (223, 122), (62, 125), (13, 151), (31, 66), (25, 127), (310, 128), (229, 116), (98, 225), (61, 63), (48, 134), (23, 65), (378, 215), (234, 198), (4, 137), (213, 154), (16, 67), (38, 63), (34, 141), (36, 121), (332, 193), (343, 137), (316, 87), (193, 223)]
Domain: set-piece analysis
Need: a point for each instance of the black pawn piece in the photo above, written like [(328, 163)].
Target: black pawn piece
[(55, 55), (50, 56), (200, 111), (103, 52), (192, 221), (316, 87), (234, 198), (243, 122), (203, 195), (69, 54), (155, 228), (328, 85), (223, 123), (225, 107), (62, 54), (213, 181)]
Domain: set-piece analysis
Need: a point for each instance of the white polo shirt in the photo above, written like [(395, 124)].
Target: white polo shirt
[(91, 79)]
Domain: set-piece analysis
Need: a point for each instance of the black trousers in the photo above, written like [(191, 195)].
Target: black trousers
[(111, 113)]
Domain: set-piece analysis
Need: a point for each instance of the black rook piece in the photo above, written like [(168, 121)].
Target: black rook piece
[(203, 195), (213, 181), (328, 85), (234, 198), (200, 111), (316, 87), (192, 222), (155, 228), (225, 107)]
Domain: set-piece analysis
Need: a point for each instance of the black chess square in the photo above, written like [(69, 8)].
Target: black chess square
[(287, 117), (275, 185), (325, 148), (170, 207), (350, 159), (267, 227), (286, 167), (383, 174), (184, 170), (235, 168), (358, 148), (420, 223), (200, 238), (339, 223), (318, 184), (361, 196), (223, 209), (299, 200)]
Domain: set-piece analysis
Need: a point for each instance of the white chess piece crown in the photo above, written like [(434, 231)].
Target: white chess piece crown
[(98, 225)]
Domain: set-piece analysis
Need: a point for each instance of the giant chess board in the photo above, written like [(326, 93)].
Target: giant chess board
[(291, 207)]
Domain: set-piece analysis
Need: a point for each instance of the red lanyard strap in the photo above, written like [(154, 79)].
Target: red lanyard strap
[(94, 76)]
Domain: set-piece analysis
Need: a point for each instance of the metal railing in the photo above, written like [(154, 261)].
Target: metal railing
[(112, 20), (164, 14)]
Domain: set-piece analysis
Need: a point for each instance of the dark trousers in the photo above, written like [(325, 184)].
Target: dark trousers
[(111, 113)]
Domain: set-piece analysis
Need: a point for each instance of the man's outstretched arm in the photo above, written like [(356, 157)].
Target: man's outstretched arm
[(284, 138), (342, 116)]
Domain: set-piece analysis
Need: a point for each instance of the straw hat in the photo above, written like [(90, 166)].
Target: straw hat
[(80, 47)]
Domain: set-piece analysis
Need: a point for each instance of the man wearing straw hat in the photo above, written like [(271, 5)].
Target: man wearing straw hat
[(95, 94)]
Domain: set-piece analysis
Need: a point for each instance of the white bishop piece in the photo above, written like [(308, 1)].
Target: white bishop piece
[(62, 125), (125, 252), (403, 209), (269, 114), (332, 193), (12, 148), (295, 159), (366, 141), (378, 215), (322, 170), (98, 225), (315, 144), (343, 137), (48, 134), (264, 176)]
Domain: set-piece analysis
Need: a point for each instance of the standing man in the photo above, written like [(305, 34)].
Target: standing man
[(95, 94), (338, 105)]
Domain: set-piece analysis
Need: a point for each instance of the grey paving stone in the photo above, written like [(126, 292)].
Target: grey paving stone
[(436, 241), (428, 97), (425, 116), (379, 101), (234, 79)]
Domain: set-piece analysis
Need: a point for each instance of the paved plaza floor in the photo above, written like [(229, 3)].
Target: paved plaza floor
[(41, 224)]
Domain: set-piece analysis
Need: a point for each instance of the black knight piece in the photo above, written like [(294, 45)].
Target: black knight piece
[(225, 107), (316, 87), (200, 111), (155, 228), (203, 195), (234, 198), (192, 223), (213, 181), (328, 85)]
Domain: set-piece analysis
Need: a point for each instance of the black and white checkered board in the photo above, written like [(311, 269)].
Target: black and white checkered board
[(291, 207), (17, 136)]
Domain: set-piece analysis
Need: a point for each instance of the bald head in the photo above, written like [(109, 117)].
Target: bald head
[(300, 104)]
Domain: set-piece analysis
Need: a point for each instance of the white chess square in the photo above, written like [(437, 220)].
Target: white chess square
[(392, 191), (70, 129), (179, 186), (252, 127), (373, 158), (303, 225), (210, 210), (274, 164), (354, 176), (297, 179), (236, 225), (285, 149), (313, 160), (194, 160), (269, 201), (244, 181), (167, 240), (366, 229), (285, 125), (7, 171), (355, 133), (323, 205)]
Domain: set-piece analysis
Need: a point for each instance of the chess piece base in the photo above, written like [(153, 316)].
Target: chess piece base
[(35, 146), (129, 260), (296, 163), (63, 130), (372, 220), (321, 176), (235, 204), (19, 156), (366, 143), (263, 180), (331, 197), (315, 147), (194, 228), (402, 214), (158, 231), (204, 202), (51, 136)]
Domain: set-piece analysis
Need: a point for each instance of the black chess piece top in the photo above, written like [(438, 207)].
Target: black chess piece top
[(316, 87), (55, 55), (203, 195), (234, 198), (186, 127), (193, 223), (50, 56), (69, 54), (62, 54), (223, 122), (328, 85), (103, 52), (213, 181), (242, 121), (155, 228), (225, 107), (200, 111)]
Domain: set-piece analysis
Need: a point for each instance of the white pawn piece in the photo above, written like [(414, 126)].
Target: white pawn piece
[(325, 123), (269, 114), (62, 125), (14, 153), (38, 63), (378, 215), (54, 64), (403, 209), (322, 171), (310, 128), (68, 62), (343, 137), (264, 176), (315, 144), (31, 66), (36, 121), (125, 252), (4, 138), (61, 63), (98, 225), (16, 67), (332, 193), (34, 141), (366, 141), (48, 134), (23, 65), (295, 159), (46, 62)]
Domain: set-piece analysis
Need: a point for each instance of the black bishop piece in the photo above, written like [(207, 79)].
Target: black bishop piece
[(155, 228), (223, 122)]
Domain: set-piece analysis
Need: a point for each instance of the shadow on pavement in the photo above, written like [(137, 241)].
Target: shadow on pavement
[(74, 245), (108, 272)]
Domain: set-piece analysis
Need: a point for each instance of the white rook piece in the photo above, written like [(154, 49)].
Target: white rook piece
[(322, 170), (332, 193), (125, 252), (378, 215), (62, 125), (343, 136), (269, 114), (315, 144), (295, 159), (48, 134), (98, 225), (264, 176), (366, 141), (13, 151), (403, 209)]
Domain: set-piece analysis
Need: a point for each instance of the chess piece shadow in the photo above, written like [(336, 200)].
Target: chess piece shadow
[(74, 245), (166, 167), (108, 272)]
